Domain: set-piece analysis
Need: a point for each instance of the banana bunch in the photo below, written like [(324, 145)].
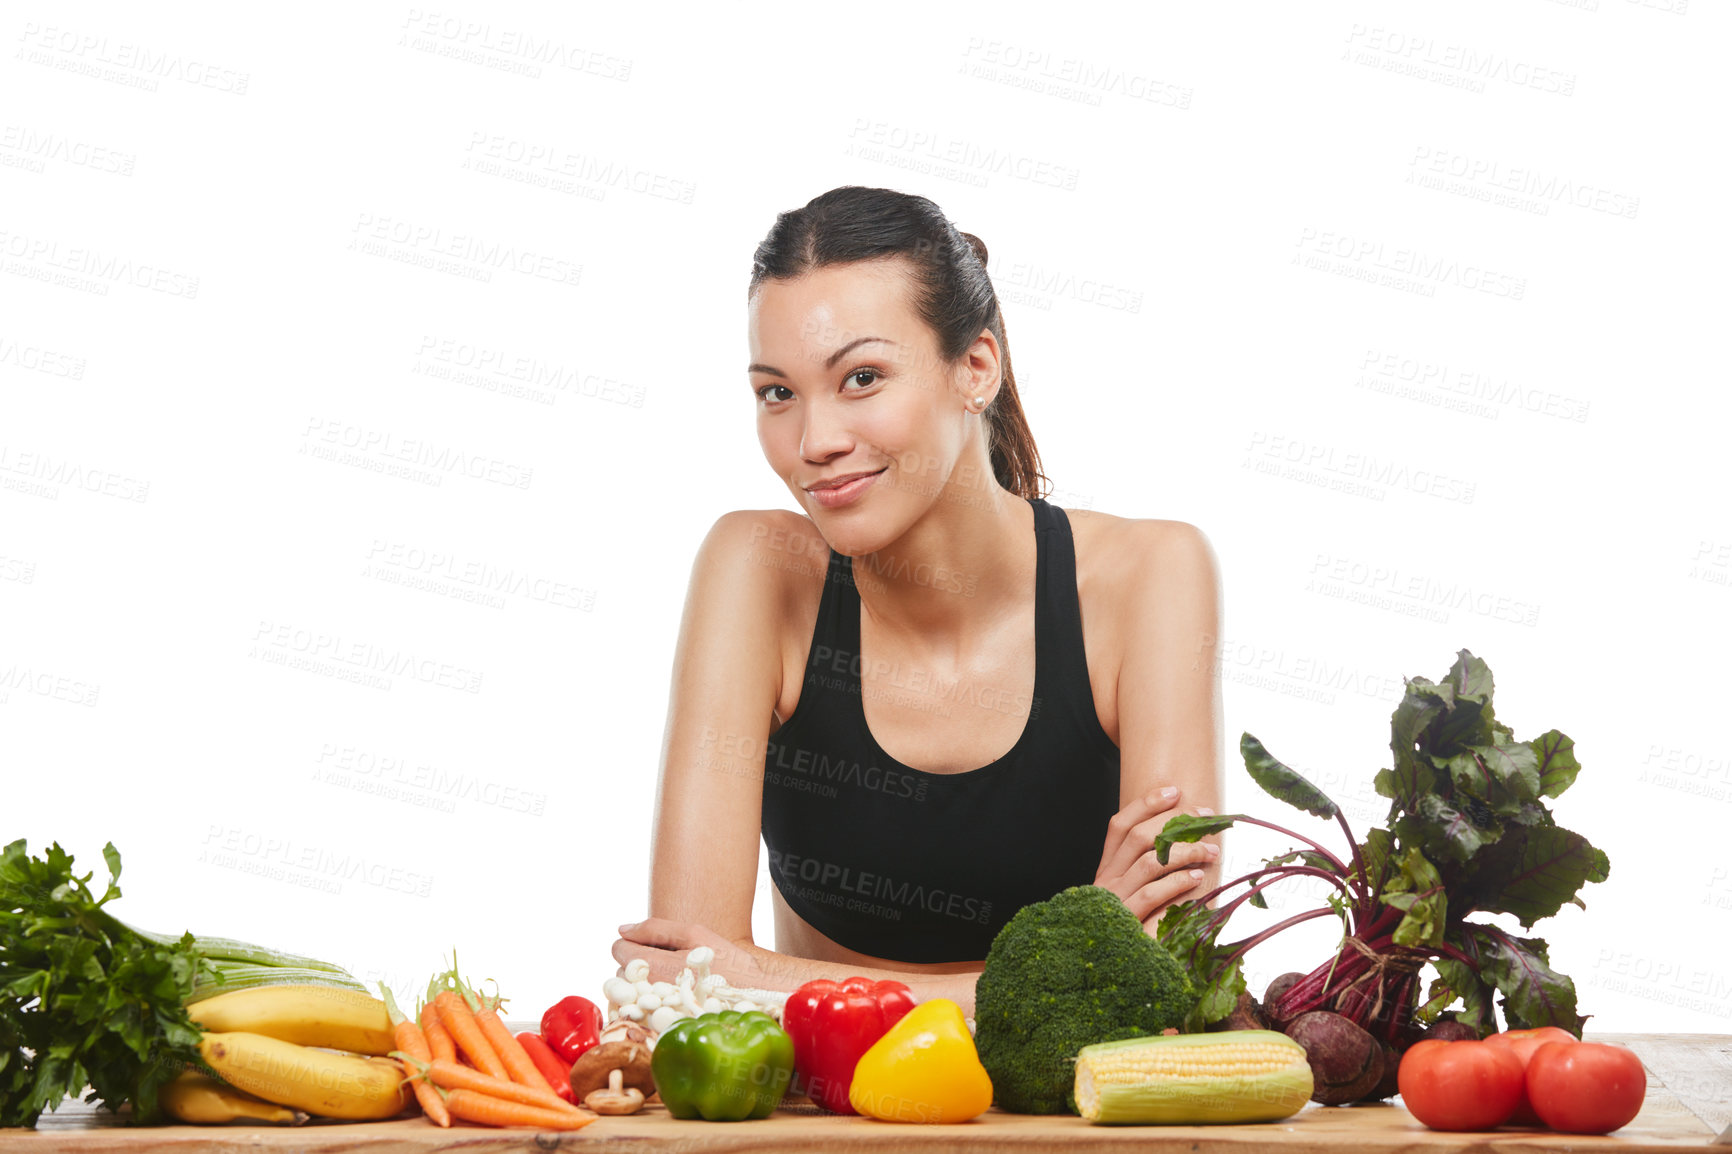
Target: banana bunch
[(274, 1049), (196, 1097)]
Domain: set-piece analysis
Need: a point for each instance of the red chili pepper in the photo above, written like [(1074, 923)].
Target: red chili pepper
[(555, 1069), (571, 1026), (832, 1024)]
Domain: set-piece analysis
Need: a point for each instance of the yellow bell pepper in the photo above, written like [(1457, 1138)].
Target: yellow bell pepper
[(924, 1069)]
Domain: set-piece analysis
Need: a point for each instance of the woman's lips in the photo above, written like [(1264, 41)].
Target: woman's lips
[(844, 494)]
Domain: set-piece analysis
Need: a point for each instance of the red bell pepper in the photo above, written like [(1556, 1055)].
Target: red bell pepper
[(555, 1069), (832, 1024), (571, 1026)]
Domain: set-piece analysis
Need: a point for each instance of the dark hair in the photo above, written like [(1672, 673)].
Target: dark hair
[(953, 292)]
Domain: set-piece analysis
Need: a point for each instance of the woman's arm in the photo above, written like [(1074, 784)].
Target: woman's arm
[(709, 796), (1169, 715), (727, 676), (664, 945)]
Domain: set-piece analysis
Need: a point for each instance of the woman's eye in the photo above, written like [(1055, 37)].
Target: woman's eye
[(767, 388), (873, 373)]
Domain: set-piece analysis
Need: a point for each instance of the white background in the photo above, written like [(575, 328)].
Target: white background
[(1417, 310)]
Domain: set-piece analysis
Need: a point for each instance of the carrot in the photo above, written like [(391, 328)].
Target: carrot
[(438, 1037), (474, 1106), (411, 1041), (456, 1018), (451, 1076), (516, 1060)]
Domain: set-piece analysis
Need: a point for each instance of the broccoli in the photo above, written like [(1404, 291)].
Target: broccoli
[(1075, 969)]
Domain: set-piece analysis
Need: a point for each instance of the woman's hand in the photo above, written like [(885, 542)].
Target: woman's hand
[(664, 944), (1128, 864)]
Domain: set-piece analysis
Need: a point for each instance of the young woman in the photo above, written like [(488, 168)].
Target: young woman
[(935, 696)]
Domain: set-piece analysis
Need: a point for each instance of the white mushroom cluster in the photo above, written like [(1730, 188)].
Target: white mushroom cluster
[(659, 1005)]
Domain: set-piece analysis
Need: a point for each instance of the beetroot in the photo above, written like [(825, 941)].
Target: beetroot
[(1272, 996), (1450, 1030), (1346, 1062), (1468, 835), (1386, 1087)]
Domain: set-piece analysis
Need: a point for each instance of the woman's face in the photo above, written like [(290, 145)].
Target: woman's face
[(847, 380)]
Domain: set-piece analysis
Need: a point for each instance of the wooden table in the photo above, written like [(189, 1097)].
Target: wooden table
[(1689, 1103)]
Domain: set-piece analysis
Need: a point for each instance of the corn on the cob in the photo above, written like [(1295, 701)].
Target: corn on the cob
[(1230, 1076)]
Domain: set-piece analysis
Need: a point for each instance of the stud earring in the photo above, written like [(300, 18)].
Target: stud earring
[(979, 402)]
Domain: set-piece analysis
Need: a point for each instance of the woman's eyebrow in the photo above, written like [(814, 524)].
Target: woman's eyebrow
[(829, 363)]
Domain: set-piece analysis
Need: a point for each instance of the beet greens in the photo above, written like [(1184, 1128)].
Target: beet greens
[(1467, 832)]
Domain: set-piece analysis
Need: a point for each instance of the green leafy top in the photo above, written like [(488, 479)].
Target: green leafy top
[(1468, 831), (92, 1001)]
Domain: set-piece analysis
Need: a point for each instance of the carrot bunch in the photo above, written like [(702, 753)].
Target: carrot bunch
[(463, 1063)]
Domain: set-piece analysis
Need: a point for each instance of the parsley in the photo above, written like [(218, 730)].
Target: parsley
[(84, 999)]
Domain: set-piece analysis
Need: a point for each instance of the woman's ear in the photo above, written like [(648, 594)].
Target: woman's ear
[(980, 372)]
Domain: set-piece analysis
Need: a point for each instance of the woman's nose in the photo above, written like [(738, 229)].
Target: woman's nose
[(824, 435)]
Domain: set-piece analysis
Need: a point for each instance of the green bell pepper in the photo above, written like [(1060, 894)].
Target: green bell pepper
[(723, 1066)]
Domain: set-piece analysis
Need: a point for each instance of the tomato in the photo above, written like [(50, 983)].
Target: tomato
[(1523, 1043), (1587, 1087), (1465, 1085)]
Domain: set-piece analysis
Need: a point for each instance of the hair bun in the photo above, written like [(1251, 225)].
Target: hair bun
[(978, 245)]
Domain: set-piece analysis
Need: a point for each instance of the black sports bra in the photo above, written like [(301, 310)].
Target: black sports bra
[(912, 866)]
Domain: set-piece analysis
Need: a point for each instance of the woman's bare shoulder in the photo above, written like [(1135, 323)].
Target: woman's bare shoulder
[(754, 527), (772, 560), (1132, 549), (752, 544)]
